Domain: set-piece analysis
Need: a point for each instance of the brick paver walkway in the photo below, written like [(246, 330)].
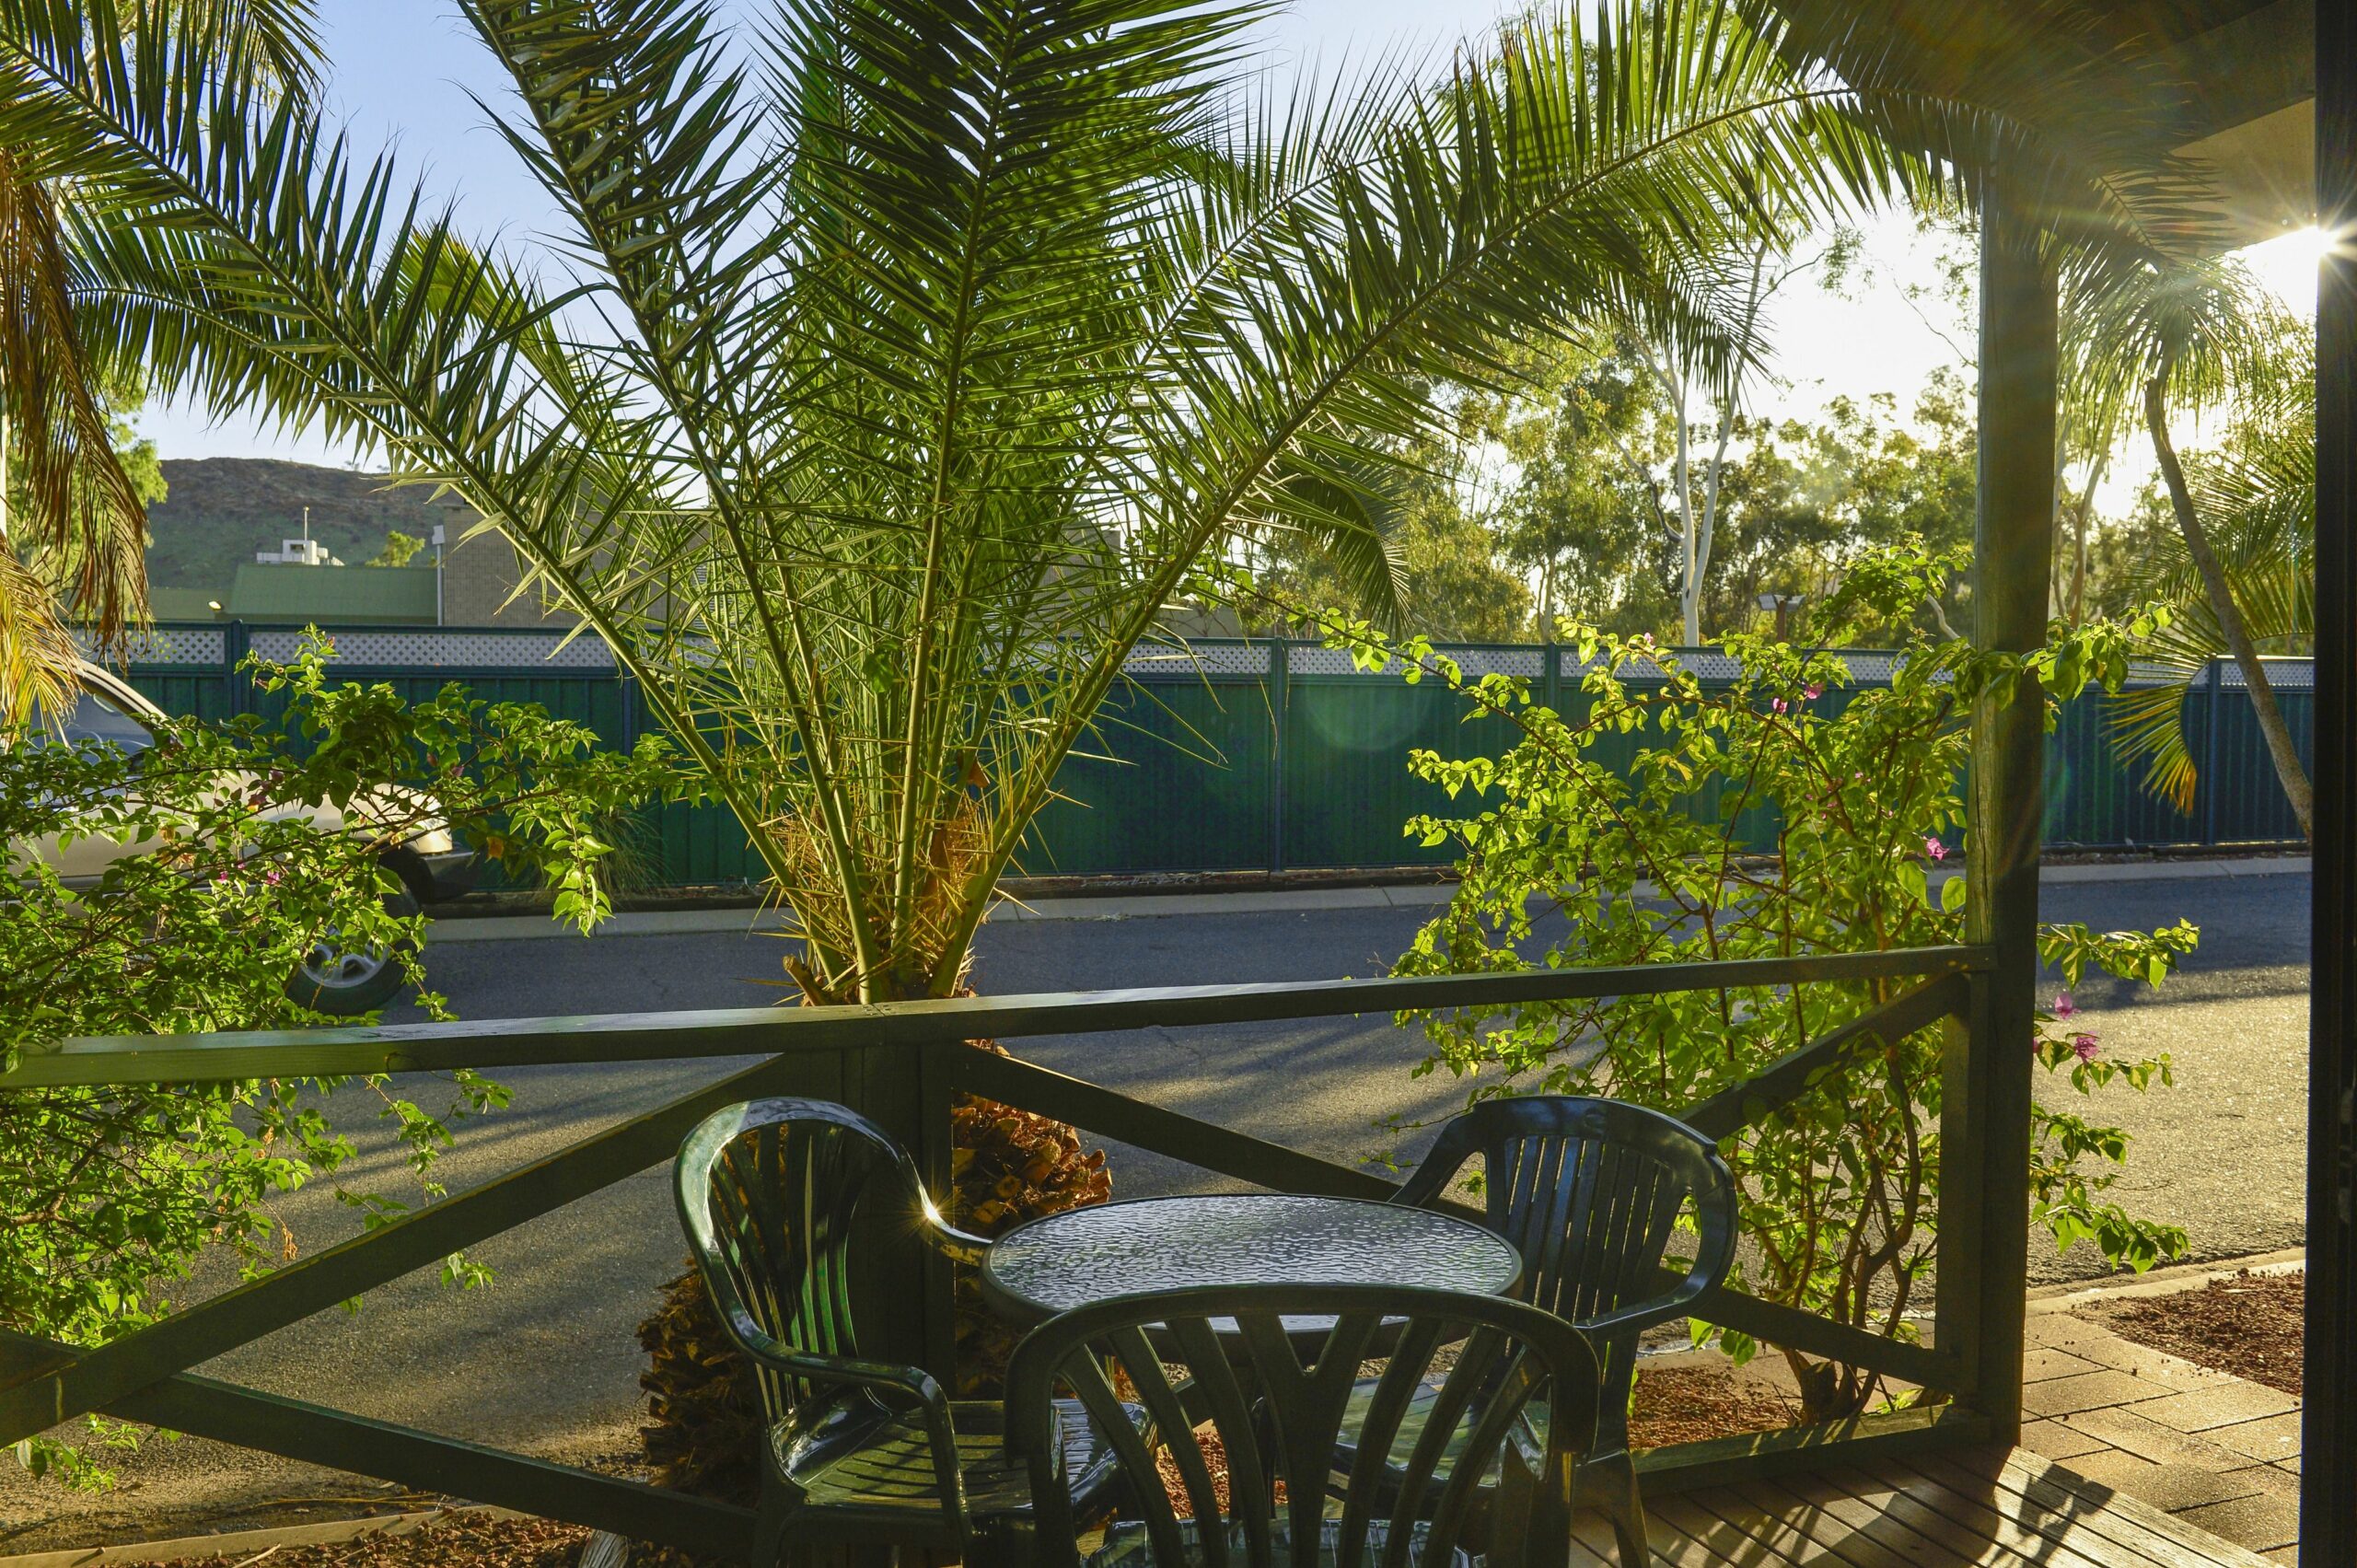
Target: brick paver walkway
[(2217, 1451)]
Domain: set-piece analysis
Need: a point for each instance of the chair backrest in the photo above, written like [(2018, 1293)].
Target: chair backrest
[(1590, 1192), (767, 1190), (1256, 1411)]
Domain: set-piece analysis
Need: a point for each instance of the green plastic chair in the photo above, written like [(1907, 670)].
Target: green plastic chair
[(857, 1451), (1276, 1418), (1590, 1191)]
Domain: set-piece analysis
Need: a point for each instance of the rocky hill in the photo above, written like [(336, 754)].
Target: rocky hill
[(221, 510)]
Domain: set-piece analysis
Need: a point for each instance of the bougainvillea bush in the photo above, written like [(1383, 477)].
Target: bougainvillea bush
[(112, 1193), (1849, 801)]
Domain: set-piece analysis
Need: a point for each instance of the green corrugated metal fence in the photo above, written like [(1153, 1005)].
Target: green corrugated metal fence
[(1258, 756)]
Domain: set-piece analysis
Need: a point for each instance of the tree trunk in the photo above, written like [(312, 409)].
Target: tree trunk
[(2229, 616), (2077, 608)]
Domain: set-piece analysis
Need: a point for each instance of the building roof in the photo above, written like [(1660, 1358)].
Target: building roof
[(182, 604), (333, 596), (2229, 86)]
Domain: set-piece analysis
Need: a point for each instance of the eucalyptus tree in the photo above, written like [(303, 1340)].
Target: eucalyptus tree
[(896, 364), (72, 520)]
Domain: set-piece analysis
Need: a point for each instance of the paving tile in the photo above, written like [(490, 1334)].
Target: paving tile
[(2175, 1488), (2049, 1328), (2058, 1442), (2290, 1466), (2087, 1391), (2272, 1479), (2287, 1555), (2223, 1405), (2273, 1437), (2125, 1427), (2261, 1523), (2040, 1364), (2110, 1468), (2152, 1366)]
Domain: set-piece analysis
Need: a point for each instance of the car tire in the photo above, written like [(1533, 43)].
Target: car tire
[(346, 984)]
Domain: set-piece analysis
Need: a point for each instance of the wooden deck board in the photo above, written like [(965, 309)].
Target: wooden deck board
[(1969, 1508)]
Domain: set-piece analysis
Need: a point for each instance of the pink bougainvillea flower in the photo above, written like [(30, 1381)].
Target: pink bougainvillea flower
[(1935, 848), (1813, 690), (1778, 704), (2084, 1044), (2063, 1006)]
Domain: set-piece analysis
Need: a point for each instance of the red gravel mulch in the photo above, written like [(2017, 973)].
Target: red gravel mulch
[(2248, 1325), (463, 1540)]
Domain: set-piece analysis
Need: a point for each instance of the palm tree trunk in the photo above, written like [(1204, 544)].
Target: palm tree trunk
[(2229, 616)]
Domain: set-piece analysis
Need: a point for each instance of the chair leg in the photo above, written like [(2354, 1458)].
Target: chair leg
[(1624, 1504), (1510, 1513), (769, 1528)]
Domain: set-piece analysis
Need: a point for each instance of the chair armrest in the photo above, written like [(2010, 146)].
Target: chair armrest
[(958, 1246), (914, 1382), (1698, 1282)]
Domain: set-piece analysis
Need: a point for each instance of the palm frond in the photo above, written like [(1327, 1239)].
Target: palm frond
[(883, 390), (2258, 492), (79, 503)]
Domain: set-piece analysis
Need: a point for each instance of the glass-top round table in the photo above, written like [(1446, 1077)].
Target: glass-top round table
[(1060, 1261)]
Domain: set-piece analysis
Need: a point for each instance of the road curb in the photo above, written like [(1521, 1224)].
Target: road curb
[(2160, 1282), (1279, 901), (249, 1542)]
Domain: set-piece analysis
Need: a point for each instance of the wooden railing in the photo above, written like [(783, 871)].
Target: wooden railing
[(902, 1064)]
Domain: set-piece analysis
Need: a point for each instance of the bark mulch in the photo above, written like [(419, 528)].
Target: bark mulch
[(1692, 1404), (463, 1540), (2247, 1325)]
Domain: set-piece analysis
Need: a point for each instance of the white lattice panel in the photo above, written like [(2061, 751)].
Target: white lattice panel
[(166, 644), (1197, 660), (2289, 674), (439, 648), (1871, 669), (1474, 662)]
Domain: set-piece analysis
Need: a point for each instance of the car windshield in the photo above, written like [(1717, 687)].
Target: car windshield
[(96, 717)]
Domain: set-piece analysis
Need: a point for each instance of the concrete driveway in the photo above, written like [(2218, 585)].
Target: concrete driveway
[(545, 1360)]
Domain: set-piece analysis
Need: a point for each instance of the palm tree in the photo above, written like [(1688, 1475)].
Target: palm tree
[(2256, 496), (2191, 333), (73, 526), (902, 362)]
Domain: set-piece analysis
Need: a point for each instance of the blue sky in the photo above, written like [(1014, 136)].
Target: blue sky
[(401, 72)]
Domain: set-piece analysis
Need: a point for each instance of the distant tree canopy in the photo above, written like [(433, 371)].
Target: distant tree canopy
[(400, 549), (1559, 503)]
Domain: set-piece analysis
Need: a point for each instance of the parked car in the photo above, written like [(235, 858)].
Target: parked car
[(429, 864)]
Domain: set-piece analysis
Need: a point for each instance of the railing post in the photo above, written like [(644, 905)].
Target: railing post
[(1985, 1115), (1280, 700), (901, 1285)]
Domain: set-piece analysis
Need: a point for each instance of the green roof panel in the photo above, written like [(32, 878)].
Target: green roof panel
[(334, 596)]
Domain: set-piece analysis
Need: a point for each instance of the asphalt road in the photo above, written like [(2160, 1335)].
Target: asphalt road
[(545, 1358)]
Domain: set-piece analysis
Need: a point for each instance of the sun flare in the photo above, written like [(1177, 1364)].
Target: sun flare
[(2287, 263)]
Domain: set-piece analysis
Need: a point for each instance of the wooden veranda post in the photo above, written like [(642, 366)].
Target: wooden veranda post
[(1984, 1236), (2329, 1423)]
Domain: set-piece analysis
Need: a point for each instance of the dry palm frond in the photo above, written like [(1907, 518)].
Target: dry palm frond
[(78, 503), (36, 649)]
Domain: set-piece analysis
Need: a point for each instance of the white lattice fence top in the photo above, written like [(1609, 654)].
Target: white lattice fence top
[(1197, 660), (1474, 662), (166, 644), (2289, 674), (438, 648)]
